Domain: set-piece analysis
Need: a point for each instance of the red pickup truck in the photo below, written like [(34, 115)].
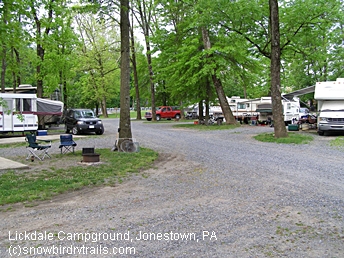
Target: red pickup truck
[(165, 112)]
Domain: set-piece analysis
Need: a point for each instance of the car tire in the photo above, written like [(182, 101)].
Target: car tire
[(75, 130), (321, 133), (100, 132), (158, 118), (149, 119)]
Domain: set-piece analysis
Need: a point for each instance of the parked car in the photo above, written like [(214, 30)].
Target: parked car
[(164, 112), (82, 121)]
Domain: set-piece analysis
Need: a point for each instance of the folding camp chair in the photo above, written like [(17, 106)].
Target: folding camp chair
[(66, 143), (37, 150)]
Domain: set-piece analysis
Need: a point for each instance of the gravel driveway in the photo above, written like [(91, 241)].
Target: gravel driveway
[(211, 194)]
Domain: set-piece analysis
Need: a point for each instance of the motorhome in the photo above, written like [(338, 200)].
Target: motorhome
[(330, 105)]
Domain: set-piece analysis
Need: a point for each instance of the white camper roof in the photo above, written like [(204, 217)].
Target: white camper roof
[(330, 90), (18, 96)]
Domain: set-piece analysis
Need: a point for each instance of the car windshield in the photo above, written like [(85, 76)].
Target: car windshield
[(86, 114)]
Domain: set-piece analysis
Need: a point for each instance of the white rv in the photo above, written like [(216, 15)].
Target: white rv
[(18, 112), (330, 98), (263, 108), (291, 109)]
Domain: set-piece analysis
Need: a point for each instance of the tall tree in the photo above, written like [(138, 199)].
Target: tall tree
[(100, 57), (124, 123), (43, 26), (144, 18), (217, 83), (134, 63), (3, 35), (277, 108)]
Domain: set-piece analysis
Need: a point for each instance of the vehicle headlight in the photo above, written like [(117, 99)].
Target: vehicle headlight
[(80, 122), (99, 122), (323, 119)]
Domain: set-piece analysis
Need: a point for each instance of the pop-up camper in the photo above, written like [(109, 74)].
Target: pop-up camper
[(330, 98), (50, 110), (18, 112)]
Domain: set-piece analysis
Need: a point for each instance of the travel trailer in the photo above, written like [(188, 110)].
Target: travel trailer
[(330, 105), (291, 109), (263, 108), (250, 109)]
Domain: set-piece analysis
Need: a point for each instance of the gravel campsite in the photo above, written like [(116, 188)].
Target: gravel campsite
[(209, 194)]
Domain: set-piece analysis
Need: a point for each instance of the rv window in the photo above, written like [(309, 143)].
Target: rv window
[(241, 106), (23, 105), (26, 104), (8, 105), (18, 105)]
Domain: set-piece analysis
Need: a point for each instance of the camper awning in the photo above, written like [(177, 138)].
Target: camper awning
[(303, 91)]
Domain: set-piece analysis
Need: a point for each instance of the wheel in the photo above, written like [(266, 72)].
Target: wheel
[(100, 132), (149, 119), (128, 146), (321, 133), (158, 118), (177, 116), (75, 130)]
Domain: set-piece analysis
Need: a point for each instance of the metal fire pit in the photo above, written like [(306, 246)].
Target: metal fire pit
[(88, 155)]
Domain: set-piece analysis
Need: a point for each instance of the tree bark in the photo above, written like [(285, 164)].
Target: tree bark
[(124, 123), (136, 80), (230, 119), (277, 108)]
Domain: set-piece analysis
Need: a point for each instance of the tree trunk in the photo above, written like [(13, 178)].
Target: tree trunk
[(136, 80), (200, 112), (4, 48), (218, 85), (124, 122), (277, 108), (207, 100), (3, 68), (151, 78), (144, 23), (16, 75)]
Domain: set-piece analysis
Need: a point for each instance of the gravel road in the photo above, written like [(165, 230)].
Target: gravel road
[(211, 194)]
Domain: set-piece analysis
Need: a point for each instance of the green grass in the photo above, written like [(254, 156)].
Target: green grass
[(293, 138), (338, 142), (13, 145), (43, 184), (207, 127)]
